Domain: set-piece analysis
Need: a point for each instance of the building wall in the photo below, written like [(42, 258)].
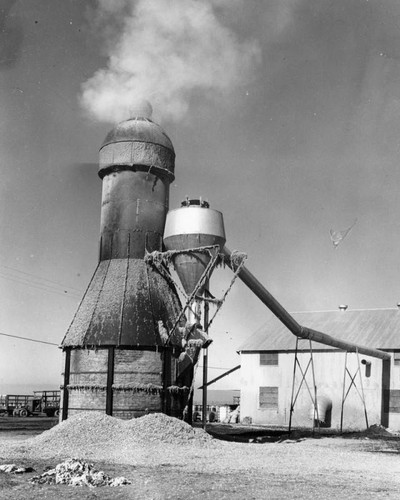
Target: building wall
[(329, 375)]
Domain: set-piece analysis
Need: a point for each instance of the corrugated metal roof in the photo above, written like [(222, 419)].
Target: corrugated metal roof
[(123, 305), (374, 328)]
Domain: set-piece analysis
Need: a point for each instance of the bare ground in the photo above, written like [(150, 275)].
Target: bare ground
[(325, 467)]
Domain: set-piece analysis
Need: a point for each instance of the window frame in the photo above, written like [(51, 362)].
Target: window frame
[(270, 358), (268, 398), (394, 401)]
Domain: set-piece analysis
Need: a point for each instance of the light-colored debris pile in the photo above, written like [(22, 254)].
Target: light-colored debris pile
[(74, 472), (88, 433), (160, 427), (379, 430), (14, 469), (84, 428)]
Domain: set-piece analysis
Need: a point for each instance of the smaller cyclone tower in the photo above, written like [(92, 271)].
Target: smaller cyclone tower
[(119, 356)]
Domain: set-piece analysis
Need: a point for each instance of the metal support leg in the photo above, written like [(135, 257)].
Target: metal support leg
[(313, 394), (67, 370), (362, 395), (316, 411), (385, 395), (293, 383), (167, 403), (205, 366), (205, 360), (351, 384), (110, 381), (343, 393)]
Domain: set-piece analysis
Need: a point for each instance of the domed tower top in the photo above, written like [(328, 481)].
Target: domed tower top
[(138, 144)]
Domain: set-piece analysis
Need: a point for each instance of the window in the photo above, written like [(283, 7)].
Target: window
[(394, 405), (268, 398), (396, 358), (268, 358)]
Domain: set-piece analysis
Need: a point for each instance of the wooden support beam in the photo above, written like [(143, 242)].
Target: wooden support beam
[(221, 376)]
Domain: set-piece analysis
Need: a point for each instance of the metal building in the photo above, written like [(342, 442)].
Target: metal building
[(353, 389)]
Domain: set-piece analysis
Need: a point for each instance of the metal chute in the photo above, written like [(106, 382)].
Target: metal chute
[(300, 331)]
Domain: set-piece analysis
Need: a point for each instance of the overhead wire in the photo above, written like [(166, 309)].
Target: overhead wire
[(52, 343), (40, 277), (38, 286), (53, 287), (27, 338)]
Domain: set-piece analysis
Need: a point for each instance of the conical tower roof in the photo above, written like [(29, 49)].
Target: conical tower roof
[(127, 303)]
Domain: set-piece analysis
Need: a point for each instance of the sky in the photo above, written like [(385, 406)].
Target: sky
[(284, 115)]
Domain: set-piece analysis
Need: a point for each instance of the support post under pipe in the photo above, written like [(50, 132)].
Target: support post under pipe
[(300, 331), (205, 356)]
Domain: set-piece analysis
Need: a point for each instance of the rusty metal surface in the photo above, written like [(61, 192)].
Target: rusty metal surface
[(138, 143), (126, 299), (141, 129), (134, 207), (122, 307)]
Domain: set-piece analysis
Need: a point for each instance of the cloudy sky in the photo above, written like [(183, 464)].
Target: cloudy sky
[(284, 114)]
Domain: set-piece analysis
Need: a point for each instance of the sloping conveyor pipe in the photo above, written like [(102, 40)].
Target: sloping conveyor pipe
[(300, 331)]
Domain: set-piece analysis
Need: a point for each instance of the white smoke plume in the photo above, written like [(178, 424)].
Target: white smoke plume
[(163, 50)]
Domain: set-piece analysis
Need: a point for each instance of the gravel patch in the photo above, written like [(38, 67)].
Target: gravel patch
[(165, 458)]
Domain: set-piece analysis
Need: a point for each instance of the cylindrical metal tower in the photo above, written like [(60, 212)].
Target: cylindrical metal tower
[(194, 225), (117, 357)]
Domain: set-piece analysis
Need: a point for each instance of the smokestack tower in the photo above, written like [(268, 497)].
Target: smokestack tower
[(118, 354)]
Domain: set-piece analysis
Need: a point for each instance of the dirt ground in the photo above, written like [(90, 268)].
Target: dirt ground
[(354, 466)]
